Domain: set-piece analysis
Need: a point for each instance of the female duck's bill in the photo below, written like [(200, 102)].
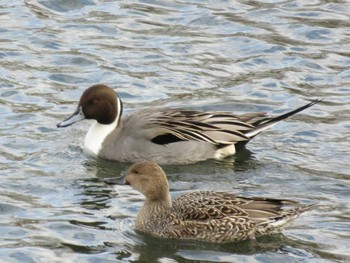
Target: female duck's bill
[(165, 135), (208, 216)]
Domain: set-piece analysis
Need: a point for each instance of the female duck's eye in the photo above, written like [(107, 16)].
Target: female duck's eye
[(136, 172)]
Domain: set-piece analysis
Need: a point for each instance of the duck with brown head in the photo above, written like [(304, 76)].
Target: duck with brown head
[(217, 217), (165, 135)]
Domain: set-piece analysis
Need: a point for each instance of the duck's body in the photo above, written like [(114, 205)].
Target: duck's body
[(154, 134), (209, 216), (165, 135), (216, 217)]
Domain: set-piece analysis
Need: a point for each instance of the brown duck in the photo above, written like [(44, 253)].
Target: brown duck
[(209, 216)]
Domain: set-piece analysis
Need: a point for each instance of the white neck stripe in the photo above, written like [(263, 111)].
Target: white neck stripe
[(98, 133)]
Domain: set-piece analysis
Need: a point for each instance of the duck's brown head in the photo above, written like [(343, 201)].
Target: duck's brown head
[(146, 177), (98, 102)]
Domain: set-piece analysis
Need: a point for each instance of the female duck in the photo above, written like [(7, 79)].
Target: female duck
[(209, 216), (164, 135)]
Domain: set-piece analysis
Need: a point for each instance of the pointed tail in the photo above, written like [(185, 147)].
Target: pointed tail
[(267, 123), (278, 223)]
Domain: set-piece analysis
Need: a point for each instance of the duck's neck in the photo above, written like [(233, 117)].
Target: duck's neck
[(153, 213), (98, 133), (163, 203)]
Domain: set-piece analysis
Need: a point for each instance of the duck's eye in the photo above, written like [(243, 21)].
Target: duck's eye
[(92, 102), (136, 172)]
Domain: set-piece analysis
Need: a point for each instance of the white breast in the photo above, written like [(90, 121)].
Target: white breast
[(97, 134)]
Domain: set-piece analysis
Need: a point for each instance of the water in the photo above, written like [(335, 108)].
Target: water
[(239, 56)]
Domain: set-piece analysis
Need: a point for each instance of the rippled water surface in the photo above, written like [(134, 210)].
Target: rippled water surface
[(239, 56)]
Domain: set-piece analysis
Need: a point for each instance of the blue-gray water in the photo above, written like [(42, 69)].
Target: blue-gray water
[(239, 56)]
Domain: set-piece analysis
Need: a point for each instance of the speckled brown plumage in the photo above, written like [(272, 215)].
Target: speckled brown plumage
[(204, 215)]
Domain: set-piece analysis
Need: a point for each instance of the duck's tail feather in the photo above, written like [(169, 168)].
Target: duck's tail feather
[(278, 223), (267, 123)]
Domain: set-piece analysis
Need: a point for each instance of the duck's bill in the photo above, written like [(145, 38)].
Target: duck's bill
[(116, 180), (78, 115)]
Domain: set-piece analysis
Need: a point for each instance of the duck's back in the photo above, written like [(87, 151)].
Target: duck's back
[(141, 137), (223, 217)]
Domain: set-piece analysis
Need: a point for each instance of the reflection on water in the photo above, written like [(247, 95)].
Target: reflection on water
[(236, 56)]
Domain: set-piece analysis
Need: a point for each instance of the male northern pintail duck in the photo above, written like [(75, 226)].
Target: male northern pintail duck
[(209, 216), (165, 135)]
